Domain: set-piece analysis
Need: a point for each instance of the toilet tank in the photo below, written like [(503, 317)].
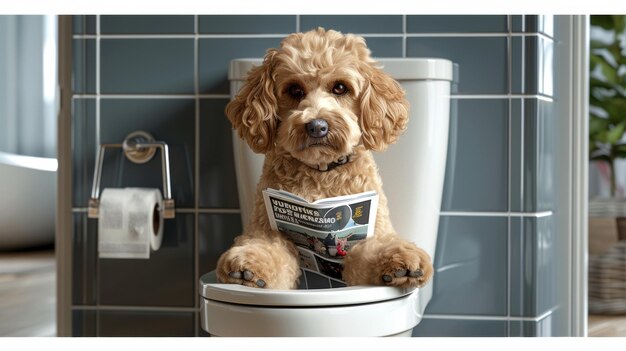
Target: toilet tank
[(412, 170)]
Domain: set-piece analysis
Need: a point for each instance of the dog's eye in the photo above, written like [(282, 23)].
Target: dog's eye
[(296, 91), (339, 89)]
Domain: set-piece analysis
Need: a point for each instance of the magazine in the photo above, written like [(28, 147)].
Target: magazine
[(324, 230)]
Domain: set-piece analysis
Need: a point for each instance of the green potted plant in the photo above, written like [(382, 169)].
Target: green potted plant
[(607, 144), (607, 92), (607, 100)]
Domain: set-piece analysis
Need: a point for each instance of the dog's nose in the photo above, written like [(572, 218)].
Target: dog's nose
[(317, 128)]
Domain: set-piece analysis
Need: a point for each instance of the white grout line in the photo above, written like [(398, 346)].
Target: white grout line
[(298, 25), (404, 35), (502, 96), (196, 232), (490, 318), (133, 308), (497, 214), (182, 210), (97, 95), (151, 96), (282, 35), (97, 142), (509, 58), (443, 213), (209, 210), (226, 96), (180, 36)]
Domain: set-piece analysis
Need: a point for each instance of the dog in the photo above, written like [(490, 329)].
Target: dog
[(317, 107)]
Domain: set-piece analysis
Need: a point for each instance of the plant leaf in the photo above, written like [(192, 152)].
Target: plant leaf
[(605, 22), (618, 23), (597, 124), (614, 135), (616, 108)]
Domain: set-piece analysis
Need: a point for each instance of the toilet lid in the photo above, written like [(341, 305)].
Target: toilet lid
[(353, 295)]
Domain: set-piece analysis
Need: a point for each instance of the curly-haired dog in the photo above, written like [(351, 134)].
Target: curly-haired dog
[(316, 107)]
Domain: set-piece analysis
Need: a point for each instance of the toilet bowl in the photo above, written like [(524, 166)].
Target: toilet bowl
[(412, 171)]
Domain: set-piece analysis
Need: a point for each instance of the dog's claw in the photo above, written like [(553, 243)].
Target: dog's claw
[(247, 275), (400, 273), (387, 278), (416, 274)]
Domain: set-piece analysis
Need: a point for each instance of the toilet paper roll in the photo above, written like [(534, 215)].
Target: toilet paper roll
[(130, 224)]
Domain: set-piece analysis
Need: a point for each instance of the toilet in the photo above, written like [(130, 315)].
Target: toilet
[(412, 172)]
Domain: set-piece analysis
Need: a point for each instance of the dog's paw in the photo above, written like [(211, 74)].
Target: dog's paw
[(246, 277), (244, 266), (258, 266), (405, 266)]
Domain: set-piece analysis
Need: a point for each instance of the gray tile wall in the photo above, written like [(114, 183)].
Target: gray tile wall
[(168, 75)]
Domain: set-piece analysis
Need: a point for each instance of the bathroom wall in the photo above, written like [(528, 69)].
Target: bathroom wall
[(497, 256), (27, 85)]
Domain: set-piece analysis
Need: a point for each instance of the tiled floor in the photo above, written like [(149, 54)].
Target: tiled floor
[(27, 293)]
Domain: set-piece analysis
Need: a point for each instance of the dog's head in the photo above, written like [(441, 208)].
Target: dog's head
[(318, 96)]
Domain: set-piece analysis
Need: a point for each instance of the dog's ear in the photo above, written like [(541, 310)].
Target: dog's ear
[(253, 112), (384, 108)]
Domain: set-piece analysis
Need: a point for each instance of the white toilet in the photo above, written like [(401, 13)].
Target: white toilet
[(412, 171)]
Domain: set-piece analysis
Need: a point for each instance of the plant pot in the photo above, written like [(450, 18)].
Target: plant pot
[(607, 222), (607, 256)]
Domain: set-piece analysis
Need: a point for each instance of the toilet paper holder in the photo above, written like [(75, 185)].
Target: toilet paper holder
[(139, 147)]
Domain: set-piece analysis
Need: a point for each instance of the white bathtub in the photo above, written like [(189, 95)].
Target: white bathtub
[(27, 201)]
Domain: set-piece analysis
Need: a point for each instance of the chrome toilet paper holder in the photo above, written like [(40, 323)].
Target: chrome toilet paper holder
[(138, 147)]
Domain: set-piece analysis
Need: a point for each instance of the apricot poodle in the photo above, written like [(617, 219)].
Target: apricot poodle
[(317, 107)]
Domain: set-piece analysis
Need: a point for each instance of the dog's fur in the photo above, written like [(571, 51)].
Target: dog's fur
[(369, 116)]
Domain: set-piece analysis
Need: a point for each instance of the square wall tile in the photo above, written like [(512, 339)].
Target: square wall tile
[(430, 327), (456, 24), (150, 24), (533, 266), (516, 23), (470, 267), (482, 60), (147, 66), (533, 180), (246, 24), (84, 150), (532, 65), (216, 235), (84, 323), (84, 260), (83, 24), (384, 47), (542, 328), (539, 24), (539, 157), (517, 153), (167, 278), (214, 56), (146, 324), (218, 181), (357, 24), (168, 120), (477, 160), (84, 66)]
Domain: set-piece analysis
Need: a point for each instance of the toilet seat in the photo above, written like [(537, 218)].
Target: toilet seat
[(344, 296), (236, 310)]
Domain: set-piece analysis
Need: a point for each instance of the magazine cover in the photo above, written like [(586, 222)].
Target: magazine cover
[(324, 230)]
